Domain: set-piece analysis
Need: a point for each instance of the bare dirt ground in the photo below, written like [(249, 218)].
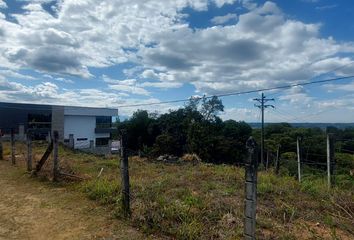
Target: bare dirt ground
[(30, 209)]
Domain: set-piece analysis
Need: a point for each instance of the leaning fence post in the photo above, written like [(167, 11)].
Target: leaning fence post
[(1, 151), (251, 190), (13, 157), (29, 151), (55, 157), (298, 158), (330, 159), (124, 166)]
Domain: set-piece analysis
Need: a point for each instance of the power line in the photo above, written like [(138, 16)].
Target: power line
[(241, 92)]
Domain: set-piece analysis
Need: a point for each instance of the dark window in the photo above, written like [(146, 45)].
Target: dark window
[(81, 139), (103, 122), (102, 141), (39, 120), (66, 140)]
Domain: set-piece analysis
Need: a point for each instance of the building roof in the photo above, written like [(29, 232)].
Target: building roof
[(68, 110)]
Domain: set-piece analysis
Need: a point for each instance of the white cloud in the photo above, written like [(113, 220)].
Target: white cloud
[(224, 19), (3, 4), (326, 7), (240, 114), (264, 48), (127, 85)]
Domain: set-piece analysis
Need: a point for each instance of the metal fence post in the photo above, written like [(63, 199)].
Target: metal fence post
[(124, 165), (29, 151), (55, 157), (13, 148), (251, 190)]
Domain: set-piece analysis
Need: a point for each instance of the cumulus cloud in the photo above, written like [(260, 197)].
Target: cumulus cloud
[(263, 48), (224, 19), (3, 4)]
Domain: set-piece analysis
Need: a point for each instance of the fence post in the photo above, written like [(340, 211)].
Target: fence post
[(124, 166), (330, 158), (71, 141), (277, 161), (13, 149), (55, 157), (298, 158), (29, 151), (1, 149), (251, 189)]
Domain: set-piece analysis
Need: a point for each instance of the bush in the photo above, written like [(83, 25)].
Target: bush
[(165, 144)]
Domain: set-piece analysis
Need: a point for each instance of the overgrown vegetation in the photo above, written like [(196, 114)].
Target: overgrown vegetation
[(205, 201), (195, 129)]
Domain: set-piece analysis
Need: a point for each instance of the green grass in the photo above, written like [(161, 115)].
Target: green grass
[(206, 201)]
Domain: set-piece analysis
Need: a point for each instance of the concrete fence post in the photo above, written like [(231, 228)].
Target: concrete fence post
[(71, 141), (21, 132), (110, 146), (250, 190), (55, 156), (277, 161), (29, 151), (124, 166), (298, 144), (330, 159), (1, 149), (13, 148)]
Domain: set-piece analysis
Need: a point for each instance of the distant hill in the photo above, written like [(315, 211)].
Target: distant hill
[(310, 125)]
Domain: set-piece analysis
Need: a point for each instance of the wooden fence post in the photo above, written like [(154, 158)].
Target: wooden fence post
[(1, 149), (330, 159), (13, 148), (124, 166), (251, 190), (277, 161), (298, 159), (55, 157), (29, 151)]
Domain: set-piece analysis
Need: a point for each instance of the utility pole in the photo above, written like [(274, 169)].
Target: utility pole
[(263, 106)]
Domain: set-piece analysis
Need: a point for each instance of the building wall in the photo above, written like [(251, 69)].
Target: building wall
[(82, 127), (12, 115), (58, 121), (84, 111)]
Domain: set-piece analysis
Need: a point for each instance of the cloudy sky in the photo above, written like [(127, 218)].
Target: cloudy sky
[(120, 52)]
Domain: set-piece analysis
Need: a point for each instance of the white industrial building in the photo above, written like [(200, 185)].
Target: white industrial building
[(84, 126)]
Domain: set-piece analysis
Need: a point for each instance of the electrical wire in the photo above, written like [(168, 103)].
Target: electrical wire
[(241, 92)]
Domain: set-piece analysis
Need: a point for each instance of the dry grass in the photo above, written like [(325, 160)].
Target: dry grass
[(205, 201)]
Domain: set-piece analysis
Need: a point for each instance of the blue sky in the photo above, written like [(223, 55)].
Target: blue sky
[(117, 53)]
